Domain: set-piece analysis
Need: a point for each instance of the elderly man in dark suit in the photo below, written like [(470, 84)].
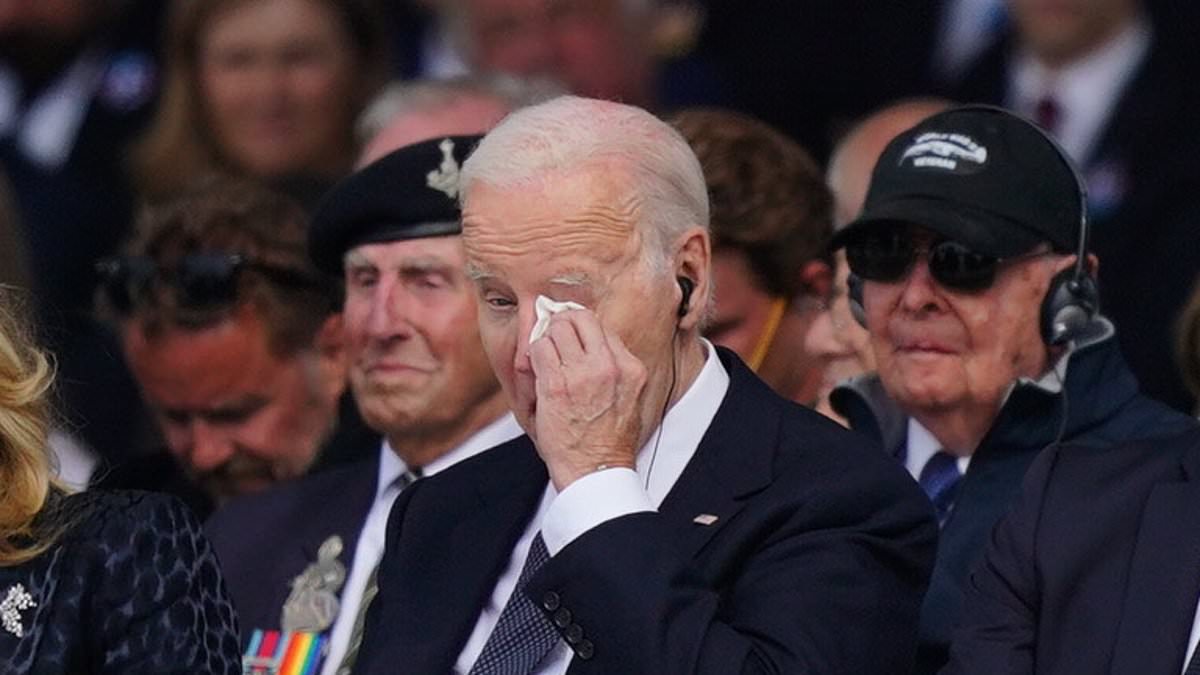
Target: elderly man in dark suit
[(1095, 570), (665, 511), (300, 560)]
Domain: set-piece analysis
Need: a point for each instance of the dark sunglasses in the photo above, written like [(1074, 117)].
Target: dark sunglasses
[(206, 280), (888, 254)]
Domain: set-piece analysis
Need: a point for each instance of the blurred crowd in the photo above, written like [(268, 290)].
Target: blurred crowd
[(110, 107)]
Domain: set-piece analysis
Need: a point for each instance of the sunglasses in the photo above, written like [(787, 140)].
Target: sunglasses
[(888, 255), (206, 280)]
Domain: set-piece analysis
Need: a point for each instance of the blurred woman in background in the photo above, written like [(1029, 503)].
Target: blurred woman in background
[(266, 89), (94, 582)]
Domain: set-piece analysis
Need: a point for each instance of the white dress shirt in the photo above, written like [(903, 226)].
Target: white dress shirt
[(922, 446), (1086, 91), (1193, 639), (605, 495), (369, 550)]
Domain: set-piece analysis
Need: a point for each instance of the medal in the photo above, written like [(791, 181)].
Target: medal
[(313, 602)]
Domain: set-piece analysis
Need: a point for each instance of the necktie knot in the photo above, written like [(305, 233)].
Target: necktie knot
[(939, 479)]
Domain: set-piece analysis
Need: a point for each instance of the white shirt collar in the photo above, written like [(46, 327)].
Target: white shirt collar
[(1086, 90), (683, 427), (392, 467), (922, 446)]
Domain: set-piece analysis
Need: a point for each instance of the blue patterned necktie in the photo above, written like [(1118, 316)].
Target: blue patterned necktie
[(939, 479), (523, 635)]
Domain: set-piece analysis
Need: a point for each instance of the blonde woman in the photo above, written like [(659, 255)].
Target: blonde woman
[(94, 582)]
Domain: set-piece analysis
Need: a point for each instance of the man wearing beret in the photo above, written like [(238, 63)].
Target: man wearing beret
[(974, 280), (420, 377)]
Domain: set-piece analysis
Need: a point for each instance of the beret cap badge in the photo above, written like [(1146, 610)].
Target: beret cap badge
[(445, 177)]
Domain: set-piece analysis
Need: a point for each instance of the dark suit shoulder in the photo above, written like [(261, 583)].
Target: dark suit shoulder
[(295, 500), (1081, 471), (815, 448)]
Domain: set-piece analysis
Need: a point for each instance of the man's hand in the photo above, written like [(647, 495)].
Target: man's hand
[(589, 392)]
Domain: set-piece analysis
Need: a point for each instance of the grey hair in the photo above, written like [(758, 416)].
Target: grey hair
[(420, 96), (570, 132)]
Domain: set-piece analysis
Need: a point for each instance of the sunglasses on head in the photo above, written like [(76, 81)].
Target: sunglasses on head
[(887, 254), (205, 280)]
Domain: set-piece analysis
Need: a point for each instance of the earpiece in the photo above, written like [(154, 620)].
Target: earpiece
[(687, 286), (1071, 303), (854, 295)]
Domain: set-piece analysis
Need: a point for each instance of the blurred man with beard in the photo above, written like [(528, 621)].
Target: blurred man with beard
[(234, 339)]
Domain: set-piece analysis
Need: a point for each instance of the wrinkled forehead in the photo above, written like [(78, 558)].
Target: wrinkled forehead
[(588, 214)]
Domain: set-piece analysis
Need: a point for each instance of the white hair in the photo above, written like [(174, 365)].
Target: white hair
[(569, 133), (422, 96)]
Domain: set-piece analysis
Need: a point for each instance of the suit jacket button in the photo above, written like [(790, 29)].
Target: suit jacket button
[(551, 601), (573, 634), (562, 618), (585, 650)]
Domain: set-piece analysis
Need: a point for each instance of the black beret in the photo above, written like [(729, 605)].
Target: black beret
[(408, 194)]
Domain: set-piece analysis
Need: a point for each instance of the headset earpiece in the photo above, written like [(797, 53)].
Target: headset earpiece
[(687, 287), (1071, 302), (854, 295)]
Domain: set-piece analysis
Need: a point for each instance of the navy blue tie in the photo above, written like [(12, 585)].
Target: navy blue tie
[(523, 636), (939, 479)]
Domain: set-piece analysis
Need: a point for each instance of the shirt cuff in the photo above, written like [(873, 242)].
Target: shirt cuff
[(590, 501)]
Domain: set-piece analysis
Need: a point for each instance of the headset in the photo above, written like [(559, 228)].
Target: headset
[(1073, 299)]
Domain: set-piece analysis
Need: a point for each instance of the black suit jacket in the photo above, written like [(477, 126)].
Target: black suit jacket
[(1096, 569), (263, 541), (817, 562), (1143, 177)]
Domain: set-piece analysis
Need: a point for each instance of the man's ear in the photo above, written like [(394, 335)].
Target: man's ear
[(693, 257), (330, 347), (816, 279)]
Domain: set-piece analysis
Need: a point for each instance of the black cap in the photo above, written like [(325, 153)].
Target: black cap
[(408, 194), (981, 176)]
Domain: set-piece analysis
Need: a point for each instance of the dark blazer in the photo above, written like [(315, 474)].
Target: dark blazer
[(1144, 198), (130, 587), (264, 541), (817, 561), (1102, 405), (1095, 570)]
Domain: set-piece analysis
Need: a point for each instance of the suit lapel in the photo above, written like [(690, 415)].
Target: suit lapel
[(464, 525), (1164, 578), (718, 478)]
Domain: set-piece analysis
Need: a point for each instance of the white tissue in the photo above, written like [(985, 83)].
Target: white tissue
[(544, 308)]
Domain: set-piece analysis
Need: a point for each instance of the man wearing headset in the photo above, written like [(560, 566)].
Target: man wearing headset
[(971, 269)]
